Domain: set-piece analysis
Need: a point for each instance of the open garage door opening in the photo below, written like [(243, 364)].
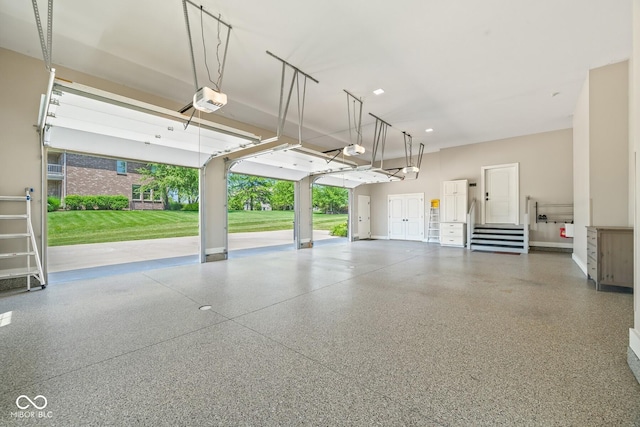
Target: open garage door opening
[(330, 212), (150, 153), (260, 212), (104, 211)]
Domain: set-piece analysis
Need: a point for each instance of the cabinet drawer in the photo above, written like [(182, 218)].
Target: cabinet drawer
[(452, 226), (592, 252), (452, 240), (592, 269), (452, 232)]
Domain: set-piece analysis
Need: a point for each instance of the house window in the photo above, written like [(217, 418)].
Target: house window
[(135, 192), (121, 167), (146, 195)]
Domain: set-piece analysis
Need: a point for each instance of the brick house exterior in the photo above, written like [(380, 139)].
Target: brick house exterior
[(90, 175)]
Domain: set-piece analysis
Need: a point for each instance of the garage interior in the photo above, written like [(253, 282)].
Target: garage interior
[(389, 327)]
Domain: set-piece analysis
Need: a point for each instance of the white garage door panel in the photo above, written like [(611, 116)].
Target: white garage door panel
[(268, 171), (109, 146)]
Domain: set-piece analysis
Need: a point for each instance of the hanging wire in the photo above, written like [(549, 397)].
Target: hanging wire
[(204, 48)]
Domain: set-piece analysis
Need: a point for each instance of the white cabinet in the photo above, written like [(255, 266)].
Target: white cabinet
[(406, 216), (453, 231), (454, 201), (453, 234)]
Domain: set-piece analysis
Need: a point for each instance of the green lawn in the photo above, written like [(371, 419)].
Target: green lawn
[(76, 227)]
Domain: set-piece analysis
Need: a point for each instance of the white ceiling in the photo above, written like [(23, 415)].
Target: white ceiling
[(471, 70)]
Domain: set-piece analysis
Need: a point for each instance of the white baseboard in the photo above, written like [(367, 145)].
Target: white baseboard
[(380, 237), (579, 263), (552, 245)]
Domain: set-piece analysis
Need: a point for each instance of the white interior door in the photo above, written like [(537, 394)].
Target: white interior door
[(396, 217), (406, 216), (501, 194), (364, 217), (414, 217)]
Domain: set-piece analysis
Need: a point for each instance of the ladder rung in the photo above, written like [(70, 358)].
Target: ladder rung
[(18, 272), (16, 254), (14, 236), (21, 216), (13, 198)]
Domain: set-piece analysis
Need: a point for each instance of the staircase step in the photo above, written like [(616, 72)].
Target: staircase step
[(498, 231), (497, 236), (505, 243), (503, 226), (484, 248)]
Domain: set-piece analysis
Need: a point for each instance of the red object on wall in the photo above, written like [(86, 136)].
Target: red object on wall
[(563, 232)]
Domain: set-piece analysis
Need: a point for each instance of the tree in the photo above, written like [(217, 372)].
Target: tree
[(166, 179), (282, 198), (330, 199), (250, 191)]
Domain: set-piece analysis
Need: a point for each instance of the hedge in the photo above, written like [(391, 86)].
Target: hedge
[(340, 230), (53, 203), (74, 202)]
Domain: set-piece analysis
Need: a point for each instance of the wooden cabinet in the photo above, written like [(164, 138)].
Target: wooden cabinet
[(453, 234), (454, 201), (610, 256)]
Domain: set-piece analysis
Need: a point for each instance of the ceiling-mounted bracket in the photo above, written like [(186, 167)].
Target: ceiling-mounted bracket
[(283, 106), (379, 139), (46, 45), (408, 153), (357, 121), (221, 62)]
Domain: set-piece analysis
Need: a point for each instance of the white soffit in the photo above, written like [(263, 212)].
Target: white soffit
[(352, 179), (289, 164), (91, 121)]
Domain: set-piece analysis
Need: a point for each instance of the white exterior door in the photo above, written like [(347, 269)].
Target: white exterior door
[(501, 194), (406, 217), (364, 217)]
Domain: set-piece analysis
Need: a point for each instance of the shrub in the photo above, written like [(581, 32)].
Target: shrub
[(103, 202), (53, 204), (175, 206), (340, 230), (118, 203), (73, 202), (191, 207)]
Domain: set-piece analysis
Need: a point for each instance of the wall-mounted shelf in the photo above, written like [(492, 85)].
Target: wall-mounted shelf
[(554, 213)]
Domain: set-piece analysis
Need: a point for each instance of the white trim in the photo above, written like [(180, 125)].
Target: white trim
[(634, 341), (483, 173), (213, 251), (380, 237), (579, 263), (305, 240), (552, 245)]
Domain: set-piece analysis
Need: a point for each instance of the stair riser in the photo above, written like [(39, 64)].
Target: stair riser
[(497, 236), (497, 249)]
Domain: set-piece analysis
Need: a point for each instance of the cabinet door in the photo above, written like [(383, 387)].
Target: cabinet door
[(460, 208), (449, 188), (616, 265), (449, 208)]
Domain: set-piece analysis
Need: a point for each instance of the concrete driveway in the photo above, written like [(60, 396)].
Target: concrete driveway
[(74, 257)]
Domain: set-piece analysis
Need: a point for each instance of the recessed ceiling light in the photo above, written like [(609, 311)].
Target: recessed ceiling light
[(428, 130), (378, 91)]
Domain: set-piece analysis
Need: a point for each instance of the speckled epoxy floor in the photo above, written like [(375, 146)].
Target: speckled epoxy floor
[(367, 333)]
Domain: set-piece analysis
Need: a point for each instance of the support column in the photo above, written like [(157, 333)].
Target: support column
[(303, 227), (213, 211), (352, 219)]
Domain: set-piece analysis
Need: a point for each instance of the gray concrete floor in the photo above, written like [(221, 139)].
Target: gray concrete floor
[(364, 333), (74, 257)]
